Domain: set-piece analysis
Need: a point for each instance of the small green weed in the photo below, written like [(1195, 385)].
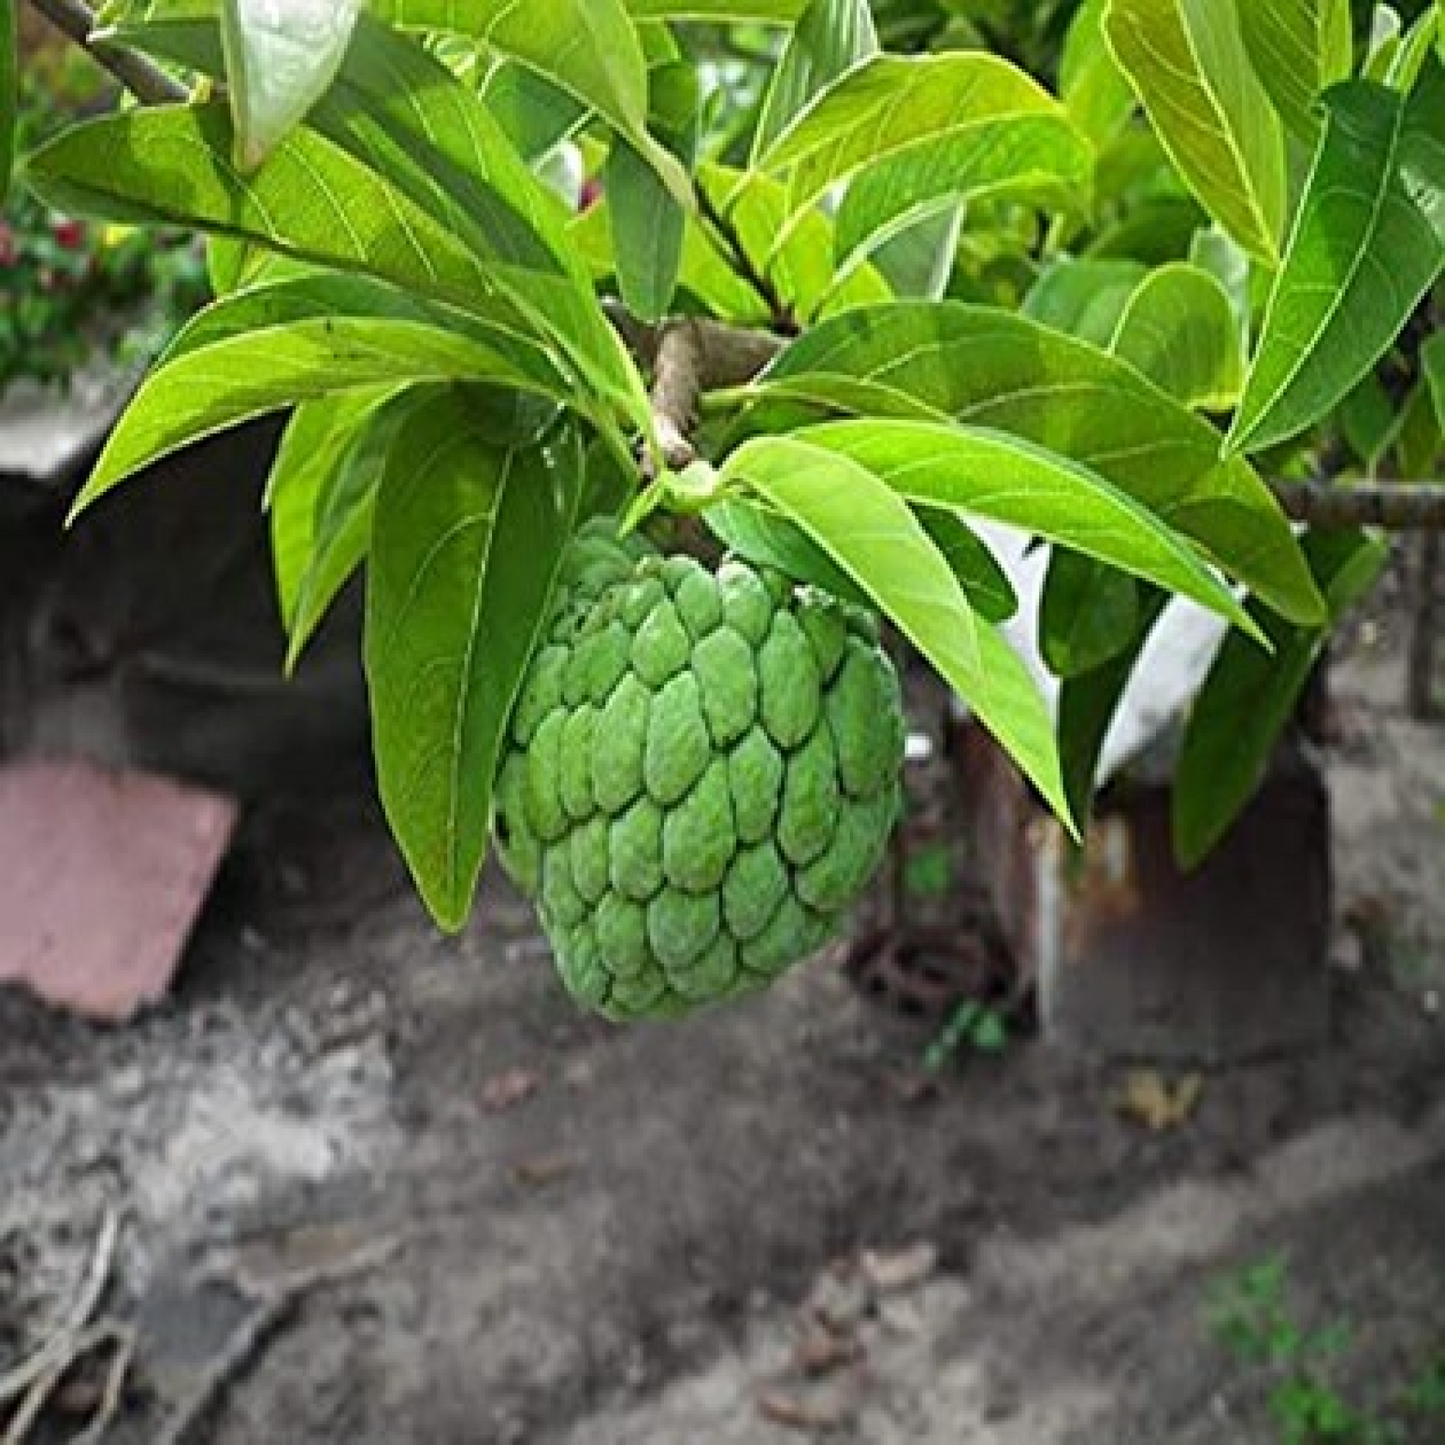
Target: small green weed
[(1249, 1314), (972, 1025)]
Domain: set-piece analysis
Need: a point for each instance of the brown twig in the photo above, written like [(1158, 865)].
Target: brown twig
[(676, 386), (1394, 506), (143, 78), (1429, 576)]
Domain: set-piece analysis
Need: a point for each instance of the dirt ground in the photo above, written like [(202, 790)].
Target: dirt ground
[(372, 1186)]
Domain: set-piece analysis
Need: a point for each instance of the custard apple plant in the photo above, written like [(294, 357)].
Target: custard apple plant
[(661, 366)]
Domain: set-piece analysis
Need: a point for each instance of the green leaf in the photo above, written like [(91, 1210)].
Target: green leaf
[(1091, 85), (983, 580), (1432, 366), (172, 166), (989, 368), (1029, 157), (534, 112), (1416, 46), (588, 47), (756, 532), (9, 75), (831, 37), (1299, 48), (405, 117), (1089, 614), (315, 446), (1249, 697), (891, 103), (466, 541), (1368, 244), (648, 224), (265, 349), (870, 532), (991, 474), (279, 62), (1188, 64), (1084, 298), (1180, 329), (1088, 702)]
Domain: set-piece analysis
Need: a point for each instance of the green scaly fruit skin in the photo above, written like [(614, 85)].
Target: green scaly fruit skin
[(702, 774)]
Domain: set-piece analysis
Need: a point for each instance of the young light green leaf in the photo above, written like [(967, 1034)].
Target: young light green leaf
[(466, 541), (1091, 85), (1299, 48), (648, 223), (984, 473), (1180, 329), (1416, 46), (1368, 244), (1029, 157), (891, 103), (1250, 696), (831, 37), (263, 350), (874, 537), (990, 368), (1188, 65), (9, 73), (279, 61)]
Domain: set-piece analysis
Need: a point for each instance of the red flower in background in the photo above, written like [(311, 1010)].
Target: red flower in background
[(69, 234)]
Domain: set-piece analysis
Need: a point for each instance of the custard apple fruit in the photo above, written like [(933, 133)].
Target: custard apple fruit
[(702, 772)]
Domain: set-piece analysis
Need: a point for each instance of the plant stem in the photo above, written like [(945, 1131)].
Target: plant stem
[(144, 79)]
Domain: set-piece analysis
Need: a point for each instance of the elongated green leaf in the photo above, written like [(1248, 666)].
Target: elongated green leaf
[(1180, 329), (1088, 616), (1250, 696), (404, 116), (985, 583), (9, 72), (535, 113), (1084, 298), (984, 473), (831, 37), (1088, 702), (754, 531), (891, 103), (1091, 85), (990, 368), (1299, 48), (172, 166), (279, 62), (870, 532), (588, 47), (266, 349), (1188, 65), (1369, 242), (648, 223), (466, 540), (314, 447), (1031, 157)]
